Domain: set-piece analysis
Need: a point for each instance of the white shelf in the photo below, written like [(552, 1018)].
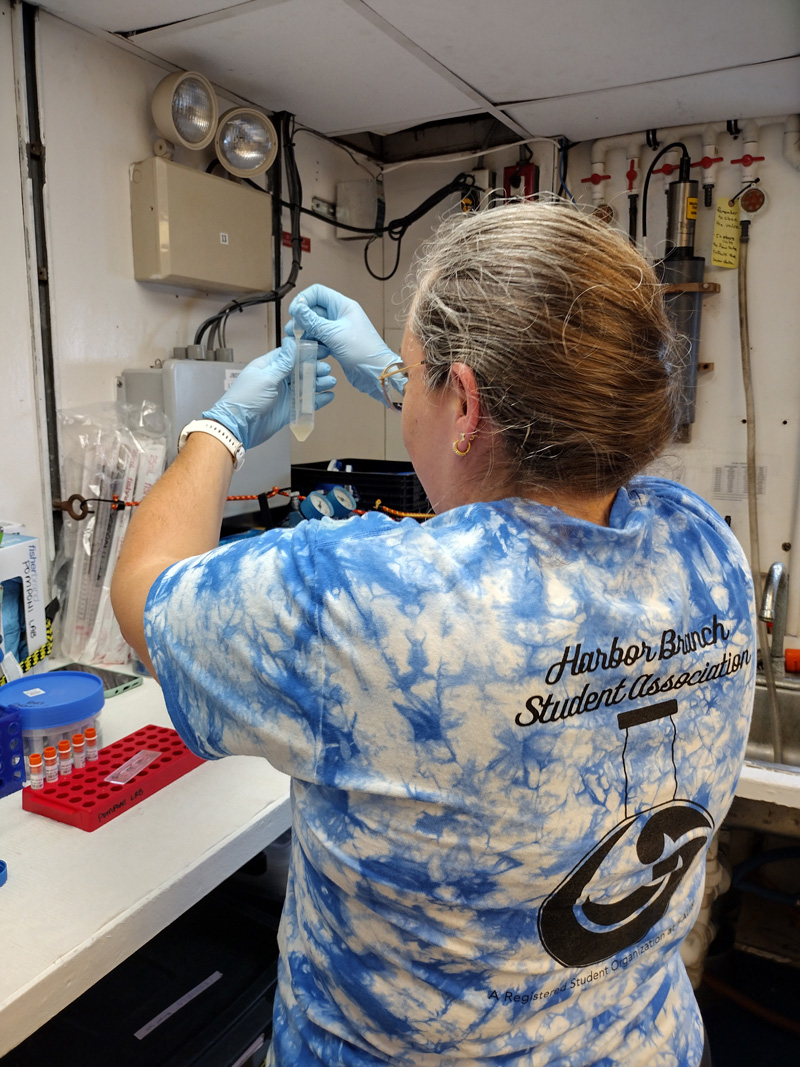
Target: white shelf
[(76, 904), (770, 783)]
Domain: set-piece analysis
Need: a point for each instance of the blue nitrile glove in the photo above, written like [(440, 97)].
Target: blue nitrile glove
[(341, 325), (259, 402)]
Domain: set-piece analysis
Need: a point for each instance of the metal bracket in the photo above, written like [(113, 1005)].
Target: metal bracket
[(693, 287), (323, 207)]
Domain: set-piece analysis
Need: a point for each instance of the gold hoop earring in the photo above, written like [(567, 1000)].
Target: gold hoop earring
[(457, 450)]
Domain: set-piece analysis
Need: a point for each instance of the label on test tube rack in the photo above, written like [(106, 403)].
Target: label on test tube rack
[(147, 760)]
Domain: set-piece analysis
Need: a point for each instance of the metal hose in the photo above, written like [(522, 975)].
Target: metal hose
[(752, 509)]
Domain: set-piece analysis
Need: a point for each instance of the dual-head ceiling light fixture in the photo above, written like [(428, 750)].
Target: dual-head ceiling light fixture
[(185, 112)]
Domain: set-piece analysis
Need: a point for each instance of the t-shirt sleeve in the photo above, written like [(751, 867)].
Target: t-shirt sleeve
[(233, 637)]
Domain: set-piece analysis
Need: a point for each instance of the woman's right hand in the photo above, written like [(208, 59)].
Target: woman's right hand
[(342, 327)]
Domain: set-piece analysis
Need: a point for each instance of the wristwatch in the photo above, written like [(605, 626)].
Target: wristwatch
[(216, 429)]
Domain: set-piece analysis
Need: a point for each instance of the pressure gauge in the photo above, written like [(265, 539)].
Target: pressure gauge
[(342, 502), (316, 506)]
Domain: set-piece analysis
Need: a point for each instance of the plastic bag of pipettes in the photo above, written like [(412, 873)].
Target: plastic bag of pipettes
[(109, 451)]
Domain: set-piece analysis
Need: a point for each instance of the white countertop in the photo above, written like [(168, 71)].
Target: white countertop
[(76, 903)]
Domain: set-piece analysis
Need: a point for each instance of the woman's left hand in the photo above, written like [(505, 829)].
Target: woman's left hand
[(259, 402)]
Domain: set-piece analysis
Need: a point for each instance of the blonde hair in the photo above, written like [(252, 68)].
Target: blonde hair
[(563, 324)]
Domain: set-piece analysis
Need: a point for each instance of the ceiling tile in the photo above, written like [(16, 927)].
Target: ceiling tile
[(746, 92), (122, 16), (325, 63), (511, 50)]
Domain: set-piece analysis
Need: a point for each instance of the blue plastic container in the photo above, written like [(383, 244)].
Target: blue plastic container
[(53, 706)]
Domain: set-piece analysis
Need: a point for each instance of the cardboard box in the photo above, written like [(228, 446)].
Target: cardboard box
[(19, 558)]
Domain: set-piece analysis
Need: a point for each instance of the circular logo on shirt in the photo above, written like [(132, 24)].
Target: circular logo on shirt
[(588, 918)]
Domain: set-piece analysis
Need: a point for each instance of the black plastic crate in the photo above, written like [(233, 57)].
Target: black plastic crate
[(393, 482)]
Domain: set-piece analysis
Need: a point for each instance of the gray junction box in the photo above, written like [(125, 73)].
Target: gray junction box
[(184, 389)]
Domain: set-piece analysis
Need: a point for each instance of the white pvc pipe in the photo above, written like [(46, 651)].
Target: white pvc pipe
[(708, 131)]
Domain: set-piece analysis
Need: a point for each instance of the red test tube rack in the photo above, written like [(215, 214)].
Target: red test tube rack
[(125, 773)]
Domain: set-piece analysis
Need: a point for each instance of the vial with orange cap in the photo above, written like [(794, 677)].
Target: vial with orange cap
[(64, 757), (78, 751), (35, 771), (50, 764), (90, 735)]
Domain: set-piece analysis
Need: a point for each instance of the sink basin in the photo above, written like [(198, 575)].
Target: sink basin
[(759, 745)]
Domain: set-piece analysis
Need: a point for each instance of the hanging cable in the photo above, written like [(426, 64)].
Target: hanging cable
[(463, 184), (633, 214), (371, 272), (563, 163), (396, 229)]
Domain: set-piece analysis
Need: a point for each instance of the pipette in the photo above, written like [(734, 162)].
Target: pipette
[(305, 385)]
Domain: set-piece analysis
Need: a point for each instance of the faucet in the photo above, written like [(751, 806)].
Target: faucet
[(774, 605)]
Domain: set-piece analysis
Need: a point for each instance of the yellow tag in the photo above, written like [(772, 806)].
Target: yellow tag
[(691, 207), (725, 242)]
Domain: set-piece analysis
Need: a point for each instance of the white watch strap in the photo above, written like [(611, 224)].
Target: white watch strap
[(215, 429)]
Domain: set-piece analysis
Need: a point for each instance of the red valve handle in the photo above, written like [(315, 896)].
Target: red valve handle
[(748, 160), (667, 169), (631, 174), (706, 162), (595, 179)]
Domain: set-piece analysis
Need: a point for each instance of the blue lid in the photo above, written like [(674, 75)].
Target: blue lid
[(3, 872), (55, 698)]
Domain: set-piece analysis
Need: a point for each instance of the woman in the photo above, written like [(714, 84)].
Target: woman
[(512, 730)]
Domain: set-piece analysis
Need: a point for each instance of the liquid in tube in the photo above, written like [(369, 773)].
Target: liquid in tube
[(305, 387)]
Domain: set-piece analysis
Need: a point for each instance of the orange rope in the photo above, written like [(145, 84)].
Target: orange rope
[(120, 505)]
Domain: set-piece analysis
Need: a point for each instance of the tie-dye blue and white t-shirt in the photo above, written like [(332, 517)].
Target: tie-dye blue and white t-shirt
[(511, 735)]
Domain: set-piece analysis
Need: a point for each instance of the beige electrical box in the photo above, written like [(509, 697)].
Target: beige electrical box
[(198, 231)]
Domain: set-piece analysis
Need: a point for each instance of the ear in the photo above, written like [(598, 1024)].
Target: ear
[(468, 406)]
